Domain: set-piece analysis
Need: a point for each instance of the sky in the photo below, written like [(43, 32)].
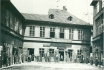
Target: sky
[(79, 8)]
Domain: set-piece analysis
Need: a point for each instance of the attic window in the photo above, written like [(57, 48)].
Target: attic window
[(51, 16), (70, 18)]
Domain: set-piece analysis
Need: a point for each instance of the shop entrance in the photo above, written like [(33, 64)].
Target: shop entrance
[(31, 51), (70, 54), (61, 55)]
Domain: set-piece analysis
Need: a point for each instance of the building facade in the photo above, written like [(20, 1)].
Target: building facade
[(12, 32), (98, 30), (60, 33)]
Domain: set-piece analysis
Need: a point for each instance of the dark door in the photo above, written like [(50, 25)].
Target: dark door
[(61, 55)]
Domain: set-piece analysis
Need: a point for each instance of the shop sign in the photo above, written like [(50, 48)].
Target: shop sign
[(46, 45), (60, 45), (61, 48)]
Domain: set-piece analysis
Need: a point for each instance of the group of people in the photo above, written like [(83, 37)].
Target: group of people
[(43, 57)]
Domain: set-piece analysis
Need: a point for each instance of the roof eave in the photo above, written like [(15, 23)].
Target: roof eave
[(60, 22)]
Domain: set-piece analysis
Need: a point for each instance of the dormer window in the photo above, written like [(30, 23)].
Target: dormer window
[(51, 16), (70, 18)]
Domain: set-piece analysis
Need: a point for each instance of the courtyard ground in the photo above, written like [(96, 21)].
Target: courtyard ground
[(51, 66)]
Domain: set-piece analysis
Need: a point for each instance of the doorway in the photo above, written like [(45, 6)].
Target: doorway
[(70, 54), (31, 51), (61, 55)]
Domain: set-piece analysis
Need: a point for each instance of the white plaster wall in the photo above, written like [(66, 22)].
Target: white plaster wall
[(75, 35), (37, 31), (57, 30), (66, 36), (47, 32), (27, 31)]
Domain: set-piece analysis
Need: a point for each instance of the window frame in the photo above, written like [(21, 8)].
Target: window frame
[(42, 31), (62, 32), (31, 31), (71, 33), (51, 51), (52, 30), (80, 34), (41, 52)]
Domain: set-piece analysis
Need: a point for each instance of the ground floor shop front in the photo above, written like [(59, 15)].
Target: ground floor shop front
[(11, 50), (55, 52), (98, 50)]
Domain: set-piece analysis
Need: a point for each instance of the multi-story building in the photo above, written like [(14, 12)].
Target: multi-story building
[(12, 32), (98, 30), (60, 32)]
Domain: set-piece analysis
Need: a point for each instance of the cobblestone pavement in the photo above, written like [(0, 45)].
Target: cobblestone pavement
[(52, 66)]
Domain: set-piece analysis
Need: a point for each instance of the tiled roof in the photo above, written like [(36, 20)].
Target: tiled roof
[(60, 16)]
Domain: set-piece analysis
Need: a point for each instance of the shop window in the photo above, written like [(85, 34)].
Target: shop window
[(32, 31), (52, 32), (79, 52), (71, 33), (31, 51), (42, 31), (41, 51), (70, 53), (61, 32), (51, 51)]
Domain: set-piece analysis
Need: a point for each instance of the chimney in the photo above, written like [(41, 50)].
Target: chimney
[(64, 8)]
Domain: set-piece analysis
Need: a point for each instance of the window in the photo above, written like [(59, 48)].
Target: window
[(42, 31), (2, 15), (70, 53), (30, 51), (97, 6), (98, 26), (41, 51), (7, 17), (51, 52), (61, 32), (32, 30), (102, 3), (51, 16), (16, 25), (79, 53), (52, 32), (70, 18), (70, 33), (20, 28), (11, 20), (80, 35)]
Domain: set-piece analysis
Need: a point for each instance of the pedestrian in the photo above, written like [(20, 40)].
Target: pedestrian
[(56, 57), (96, 61), (91, 60)]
